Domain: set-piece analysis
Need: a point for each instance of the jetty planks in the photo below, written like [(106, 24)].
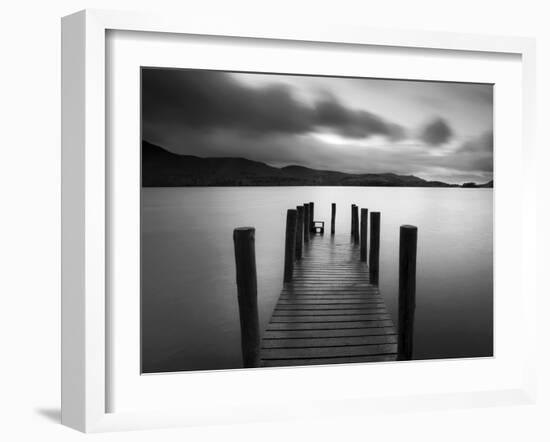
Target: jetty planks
[(329, 312)]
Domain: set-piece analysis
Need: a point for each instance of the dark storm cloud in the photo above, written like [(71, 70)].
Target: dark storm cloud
[(206, 100), (436, 132), (349, 123)]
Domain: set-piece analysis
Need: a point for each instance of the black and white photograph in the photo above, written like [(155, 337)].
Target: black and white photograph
[(298, 220)]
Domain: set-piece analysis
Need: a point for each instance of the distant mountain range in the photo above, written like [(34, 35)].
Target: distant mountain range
[(161, 168)]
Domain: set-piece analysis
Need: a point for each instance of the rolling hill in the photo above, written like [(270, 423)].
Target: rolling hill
[(161, 168)]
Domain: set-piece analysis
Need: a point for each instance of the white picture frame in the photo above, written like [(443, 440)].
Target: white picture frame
[(86, 206)]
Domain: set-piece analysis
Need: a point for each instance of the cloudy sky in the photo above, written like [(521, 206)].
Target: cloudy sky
[(435, 130)]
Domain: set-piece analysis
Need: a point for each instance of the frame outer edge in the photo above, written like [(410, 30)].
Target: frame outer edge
[(73, 362), (83, 343), (530, 196)]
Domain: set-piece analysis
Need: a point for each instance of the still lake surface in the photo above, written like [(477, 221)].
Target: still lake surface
[(189, 300)]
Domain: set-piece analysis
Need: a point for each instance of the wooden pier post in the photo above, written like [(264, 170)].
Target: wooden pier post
[(299, 231), (374, 251), (333, 218), (306, 222), (364, 227), (245, 263), (352, 224), (355, 224), (290, 243), (311, 206), (407, 290)]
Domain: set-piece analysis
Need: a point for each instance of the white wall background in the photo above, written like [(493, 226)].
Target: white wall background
[(30, 220)]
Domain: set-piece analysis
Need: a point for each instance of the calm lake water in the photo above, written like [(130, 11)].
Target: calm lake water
[(189, 300)]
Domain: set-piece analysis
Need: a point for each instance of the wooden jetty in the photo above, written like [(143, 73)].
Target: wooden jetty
[(329, 312), (330, 309)]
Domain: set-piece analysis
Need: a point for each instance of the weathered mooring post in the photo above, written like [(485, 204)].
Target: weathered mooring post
[(374, 251), (407, 290), (299, 231), (364, 227), (332, 218), (306, 222), (352, 223), (312, 220), (355, 224), (290, 243), (245, 263)]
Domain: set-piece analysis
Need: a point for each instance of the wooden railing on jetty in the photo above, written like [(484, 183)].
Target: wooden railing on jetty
[(330, 309)]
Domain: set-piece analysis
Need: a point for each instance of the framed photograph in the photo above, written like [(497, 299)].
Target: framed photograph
[(252, 211)]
